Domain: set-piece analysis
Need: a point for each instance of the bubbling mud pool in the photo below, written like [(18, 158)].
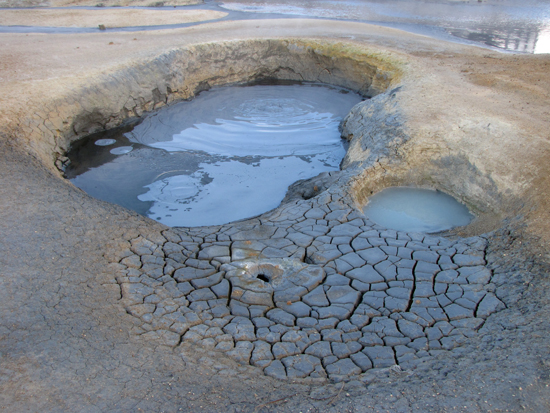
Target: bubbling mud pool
[(416, 210), (229, 154)]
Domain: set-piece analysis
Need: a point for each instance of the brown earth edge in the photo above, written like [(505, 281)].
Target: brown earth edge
[(476, 126)]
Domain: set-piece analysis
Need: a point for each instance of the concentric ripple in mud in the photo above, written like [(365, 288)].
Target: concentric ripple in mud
[(229, 154)]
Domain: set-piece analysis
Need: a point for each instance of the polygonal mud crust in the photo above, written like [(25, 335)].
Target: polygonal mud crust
[(312, 289)]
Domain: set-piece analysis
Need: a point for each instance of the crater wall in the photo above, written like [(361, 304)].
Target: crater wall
[(384, 150), (112, 99)]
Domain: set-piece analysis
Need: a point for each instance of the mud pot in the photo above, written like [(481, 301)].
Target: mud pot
[(230, 154), (349, 295), (416, 210), (308, 295)]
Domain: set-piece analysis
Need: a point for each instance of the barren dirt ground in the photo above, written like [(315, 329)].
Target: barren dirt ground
[(66, 343), (108, 18)]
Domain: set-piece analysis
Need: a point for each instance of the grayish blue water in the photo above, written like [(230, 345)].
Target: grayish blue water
[(513, 25), (416, 210), (229, 154)]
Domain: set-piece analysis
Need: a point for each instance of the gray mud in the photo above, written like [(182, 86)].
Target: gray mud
[(416, 210), (229, 154), (502, 367)]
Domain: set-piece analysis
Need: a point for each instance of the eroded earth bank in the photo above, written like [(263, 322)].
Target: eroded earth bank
[(311, 306)]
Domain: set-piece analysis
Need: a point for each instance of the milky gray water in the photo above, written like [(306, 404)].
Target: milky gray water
[(513, 25), (229, 154), (416, 210)]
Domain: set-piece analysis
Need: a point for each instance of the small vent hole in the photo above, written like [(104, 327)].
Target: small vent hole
[(263, 277)]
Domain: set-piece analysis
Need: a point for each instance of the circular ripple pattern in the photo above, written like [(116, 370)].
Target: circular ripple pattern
[(280, 111), (251, 121), (313, 289)]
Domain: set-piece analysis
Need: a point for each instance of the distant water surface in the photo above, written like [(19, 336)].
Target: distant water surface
[(520, 26)]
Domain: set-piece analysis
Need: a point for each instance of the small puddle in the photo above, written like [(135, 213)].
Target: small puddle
[(229, 154), (416, 210)]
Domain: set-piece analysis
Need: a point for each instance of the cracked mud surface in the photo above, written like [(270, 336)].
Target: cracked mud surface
[(68, 344), (75, 335), (312, 290)]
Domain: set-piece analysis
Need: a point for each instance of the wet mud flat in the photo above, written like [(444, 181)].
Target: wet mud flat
[(200, 288), (498, 25)]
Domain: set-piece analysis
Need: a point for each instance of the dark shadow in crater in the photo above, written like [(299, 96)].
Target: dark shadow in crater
[(263, 277)]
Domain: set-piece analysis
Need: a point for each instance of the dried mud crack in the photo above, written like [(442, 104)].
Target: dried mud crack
[(345, 295)]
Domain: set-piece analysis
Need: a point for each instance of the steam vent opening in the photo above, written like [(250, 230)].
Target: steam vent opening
[(227, 155), (263, 278)]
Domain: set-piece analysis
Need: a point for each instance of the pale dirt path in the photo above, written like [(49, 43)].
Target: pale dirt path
[(109, 18), (67, 345), (94, 3)]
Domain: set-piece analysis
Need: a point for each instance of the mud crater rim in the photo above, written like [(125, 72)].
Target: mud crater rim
[(370, 303)]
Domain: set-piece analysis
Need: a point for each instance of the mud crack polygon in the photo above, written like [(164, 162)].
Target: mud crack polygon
[(312, 289)]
